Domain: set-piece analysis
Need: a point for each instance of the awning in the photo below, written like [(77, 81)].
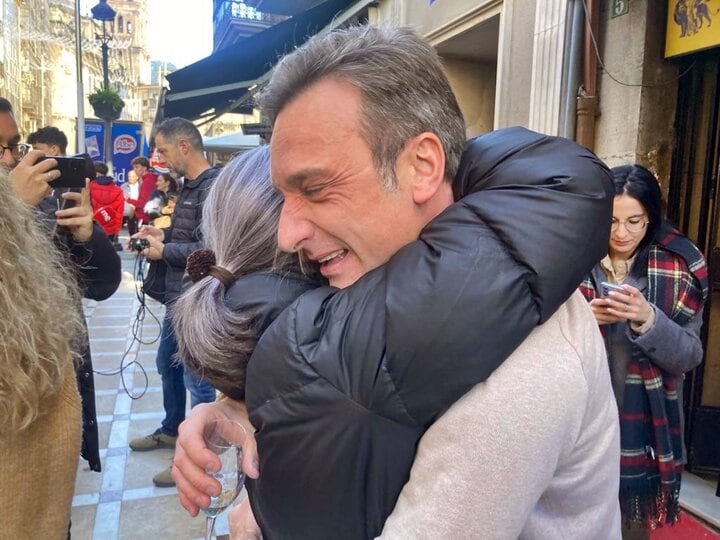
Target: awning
[(231, 142), (225, 80)]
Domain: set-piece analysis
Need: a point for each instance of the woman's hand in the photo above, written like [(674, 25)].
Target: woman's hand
[(601, 311), (628, 306)]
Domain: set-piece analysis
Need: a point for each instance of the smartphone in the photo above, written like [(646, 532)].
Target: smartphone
[(606, 287), (72, 172)]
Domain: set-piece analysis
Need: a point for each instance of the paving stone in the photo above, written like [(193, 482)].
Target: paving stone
[(160, 517), (83, 522)]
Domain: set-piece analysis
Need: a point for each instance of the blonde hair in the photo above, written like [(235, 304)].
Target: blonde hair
[(40, 321)]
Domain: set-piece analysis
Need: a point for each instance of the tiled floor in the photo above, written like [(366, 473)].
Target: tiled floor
[(121, 502)]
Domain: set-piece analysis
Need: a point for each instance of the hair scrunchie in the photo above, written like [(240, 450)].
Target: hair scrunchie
[(201, 263)]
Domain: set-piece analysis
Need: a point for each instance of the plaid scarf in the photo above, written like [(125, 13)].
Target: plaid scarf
[(650, 435)]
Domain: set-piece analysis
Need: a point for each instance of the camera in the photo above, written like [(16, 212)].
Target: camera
[(139, 244)]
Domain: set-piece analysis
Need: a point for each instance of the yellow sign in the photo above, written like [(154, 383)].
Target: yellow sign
[(692, 25)]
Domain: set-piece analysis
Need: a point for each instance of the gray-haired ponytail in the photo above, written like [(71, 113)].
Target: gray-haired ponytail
[(240, 219)]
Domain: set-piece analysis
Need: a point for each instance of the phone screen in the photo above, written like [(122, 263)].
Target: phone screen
[(606, 287)]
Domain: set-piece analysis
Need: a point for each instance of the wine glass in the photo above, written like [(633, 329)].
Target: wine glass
[(225, 438)]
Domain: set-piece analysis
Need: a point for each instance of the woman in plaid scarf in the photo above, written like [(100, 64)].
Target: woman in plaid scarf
[(651, 323)]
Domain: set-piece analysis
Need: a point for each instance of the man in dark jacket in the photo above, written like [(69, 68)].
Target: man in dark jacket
[(85, 242), (179, 145), (367, 142)]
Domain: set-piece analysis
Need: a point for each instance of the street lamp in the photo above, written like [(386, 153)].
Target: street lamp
[(104, 13)]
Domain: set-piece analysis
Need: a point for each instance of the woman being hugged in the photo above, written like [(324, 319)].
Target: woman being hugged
[(651, 324), (242, 280), (40, 414)]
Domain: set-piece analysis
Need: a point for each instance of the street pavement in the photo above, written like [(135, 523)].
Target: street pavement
[(121, 502)]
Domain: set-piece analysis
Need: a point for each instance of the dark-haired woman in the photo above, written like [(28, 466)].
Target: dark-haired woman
[(651, 325), (161, 203)]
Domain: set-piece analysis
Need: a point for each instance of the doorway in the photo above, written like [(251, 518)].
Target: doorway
[(694, 206)]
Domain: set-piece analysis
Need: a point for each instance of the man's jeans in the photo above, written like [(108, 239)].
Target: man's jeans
[(171, 374), (175, 380), (201, 391)]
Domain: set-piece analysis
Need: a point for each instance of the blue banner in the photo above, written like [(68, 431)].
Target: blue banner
[(127, 144), (95, 139)]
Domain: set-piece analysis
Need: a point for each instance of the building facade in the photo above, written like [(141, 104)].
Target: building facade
[(38, 61), (534, 63)]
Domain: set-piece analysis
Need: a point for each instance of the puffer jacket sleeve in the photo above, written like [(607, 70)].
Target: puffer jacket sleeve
[(98, 263), (410, 338)]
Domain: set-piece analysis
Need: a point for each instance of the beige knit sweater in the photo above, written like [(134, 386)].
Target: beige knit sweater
[(38, 467), (531, 453)]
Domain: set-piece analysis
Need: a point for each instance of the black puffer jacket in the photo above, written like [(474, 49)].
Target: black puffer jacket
[(344, 383), (262, 296), (183, 237), (99, 274)]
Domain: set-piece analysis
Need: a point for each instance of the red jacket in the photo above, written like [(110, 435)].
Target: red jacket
[(147, 186), (108, 203)]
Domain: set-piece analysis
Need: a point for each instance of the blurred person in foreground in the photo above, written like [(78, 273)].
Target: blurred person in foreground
[(95, 262), (40, 412), (651, 327), (345, 382)]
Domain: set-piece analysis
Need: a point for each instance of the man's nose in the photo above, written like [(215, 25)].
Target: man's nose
[(7, 159), (293, 228)]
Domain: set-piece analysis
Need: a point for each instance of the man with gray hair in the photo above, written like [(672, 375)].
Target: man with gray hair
[(367, 150), (179, 145)]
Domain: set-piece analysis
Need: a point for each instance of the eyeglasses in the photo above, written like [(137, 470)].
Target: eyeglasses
[(18, 150), (632, 225)]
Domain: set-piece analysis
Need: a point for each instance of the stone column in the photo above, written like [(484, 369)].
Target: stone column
[(547, 64)]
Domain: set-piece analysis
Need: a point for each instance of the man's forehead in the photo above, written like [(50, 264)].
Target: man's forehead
[(8, 128)]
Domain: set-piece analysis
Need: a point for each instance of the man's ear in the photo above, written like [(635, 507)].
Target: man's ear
[(427, 160), (184, 146)]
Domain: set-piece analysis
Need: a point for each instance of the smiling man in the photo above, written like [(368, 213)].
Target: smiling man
[(347, 385)]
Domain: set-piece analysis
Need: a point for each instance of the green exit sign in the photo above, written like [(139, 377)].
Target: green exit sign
[(619, 7)]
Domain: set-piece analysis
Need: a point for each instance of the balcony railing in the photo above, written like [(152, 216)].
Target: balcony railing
[(234, 10)]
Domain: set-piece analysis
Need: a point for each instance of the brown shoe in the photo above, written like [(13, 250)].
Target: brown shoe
[(155, 440), (164, 479)]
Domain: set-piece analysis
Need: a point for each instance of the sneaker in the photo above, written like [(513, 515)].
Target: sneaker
[(164, 479), (155, 440)]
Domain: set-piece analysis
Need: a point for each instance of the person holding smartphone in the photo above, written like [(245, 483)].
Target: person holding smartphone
[(647, 295), (69, 221)]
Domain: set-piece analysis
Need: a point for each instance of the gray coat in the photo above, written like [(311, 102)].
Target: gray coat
[(673, 348)]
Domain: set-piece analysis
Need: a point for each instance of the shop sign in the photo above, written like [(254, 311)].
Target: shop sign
[(690, 28)]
